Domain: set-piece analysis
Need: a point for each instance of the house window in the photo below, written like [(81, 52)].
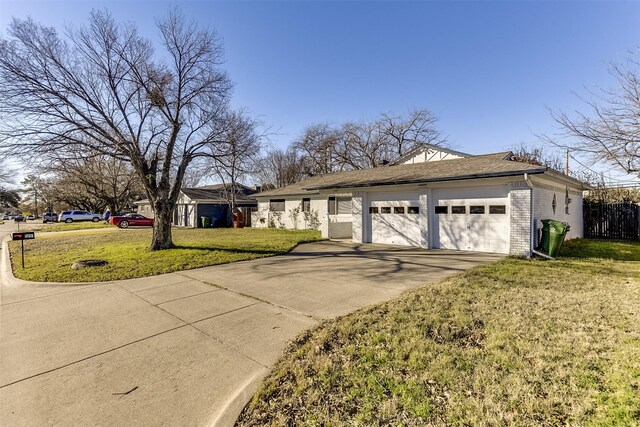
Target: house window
[(442, 210), (344, 205), (553, 203), (457, 210), (339, 205), (276, 205), (398, 209), (413, 210), (373, 210), (306, 205), (476, 210), (497, 210), (385, 209), (332, 205)]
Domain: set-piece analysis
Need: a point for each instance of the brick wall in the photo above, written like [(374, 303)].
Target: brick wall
[(520, 221)]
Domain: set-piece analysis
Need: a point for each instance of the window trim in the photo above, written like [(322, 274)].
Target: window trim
[(383, 208), (302, 207), (399, 210), (374, 210)]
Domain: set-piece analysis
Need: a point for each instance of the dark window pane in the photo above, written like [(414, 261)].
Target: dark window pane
[(306, 205), (398, 209), (385, 210), (497, 209), (373, 209), (442, 209), (476, 209), (332, 205), (413, 210), (458, 209), (276, 205)]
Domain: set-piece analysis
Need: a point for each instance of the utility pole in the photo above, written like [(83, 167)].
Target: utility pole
[(567, 171)]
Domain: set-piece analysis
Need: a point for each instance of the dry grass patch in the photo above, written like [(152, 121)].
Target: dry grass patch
[(518, 342)]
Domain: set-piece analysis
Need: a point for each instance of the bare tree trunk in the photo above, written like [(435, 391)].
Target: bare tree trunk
[(162, 238)]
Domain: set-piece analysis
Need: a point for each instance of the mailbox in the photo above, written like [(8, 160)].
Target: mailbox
[(27, 235)]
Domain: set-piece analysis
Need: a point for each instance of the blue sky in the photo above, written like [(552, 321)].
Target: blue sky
[(488, 70)]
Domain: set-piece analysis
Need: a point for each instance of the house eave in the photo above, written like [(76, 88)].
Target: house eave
[(428, 180)]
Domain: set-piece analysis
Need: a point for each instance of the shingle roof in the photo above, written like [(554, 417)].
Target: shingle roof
[(215, 193), (483, 166)]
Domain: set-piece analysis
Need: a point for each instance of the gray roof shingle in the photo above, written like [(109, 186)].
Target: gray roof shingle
[(482, 166)]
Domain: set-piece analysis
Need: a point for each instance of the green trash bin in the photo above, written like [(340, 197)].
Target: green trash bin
[(206, 221), (553, 233)]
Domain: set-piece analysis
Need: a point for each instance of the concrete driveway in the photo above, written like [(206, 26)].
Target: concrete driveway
[(186, 348)]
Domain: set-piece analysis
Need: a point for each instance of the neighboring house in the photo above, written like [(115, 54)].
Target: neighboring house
[(209, 201), (432, 198)]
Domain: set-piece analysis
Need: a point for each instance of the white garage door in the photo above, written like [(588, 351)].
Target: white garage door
[(395, 222), (471, 220)]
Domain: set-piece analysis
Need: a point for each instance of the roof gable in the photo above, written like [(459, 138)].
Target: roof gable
[(424, 153)]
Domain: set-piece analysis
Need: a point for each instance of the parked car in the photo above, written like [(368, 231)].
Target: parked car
[(31, 217), (71, 216), (131, 220), (18, 218), (50, 217)]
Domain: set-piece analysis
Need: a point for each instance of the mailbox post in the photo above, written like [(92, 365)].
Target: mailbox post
[(26, 235)]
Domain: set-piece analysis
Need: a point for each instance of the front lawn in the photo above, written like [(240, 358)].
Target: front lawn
[(49, 257), (517, 342), (63, 226)]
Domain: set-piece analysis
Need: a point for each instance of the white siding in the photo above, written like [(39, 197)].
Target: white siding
[(543, 208), (288, 219)]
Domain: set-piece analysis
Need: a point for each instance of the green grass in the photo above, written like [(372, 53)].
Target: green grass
[(62, 226), (49, 257), (518, 342), (607, 249)]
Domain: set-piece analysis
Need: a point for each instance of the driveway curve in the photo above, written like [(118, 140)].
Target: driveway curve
[(186, 348)]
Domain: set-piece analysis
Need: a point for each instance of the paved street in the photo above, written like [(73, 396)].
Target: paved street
[(185, 348)]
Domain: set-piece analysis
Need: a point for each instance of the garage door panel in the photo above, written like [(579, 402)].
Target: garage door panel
[(483, 226), (395, 228)]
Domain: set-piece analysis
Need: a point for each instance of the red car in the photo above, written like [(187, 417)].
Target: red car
[(131, 220)]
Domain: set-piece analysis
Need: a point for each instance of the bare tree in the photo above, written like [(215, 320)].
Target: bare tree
[(317, 147), (404, 133), (278, 168), (6, 173), (370, 144), (102, 88), (31, 187), (610, 130), (538, 156), (236, 152), (107, 180)]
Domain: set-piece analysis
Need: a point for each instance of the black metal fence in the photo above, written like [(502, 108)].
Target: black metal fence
[(618, 221)]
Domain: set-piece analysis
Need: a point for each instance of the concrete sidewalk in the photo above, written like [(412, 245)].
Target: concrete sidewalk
[(185, 348)]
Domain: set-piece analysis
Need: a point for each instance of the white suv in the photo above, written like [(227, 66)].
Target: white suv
[(71, 216)]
